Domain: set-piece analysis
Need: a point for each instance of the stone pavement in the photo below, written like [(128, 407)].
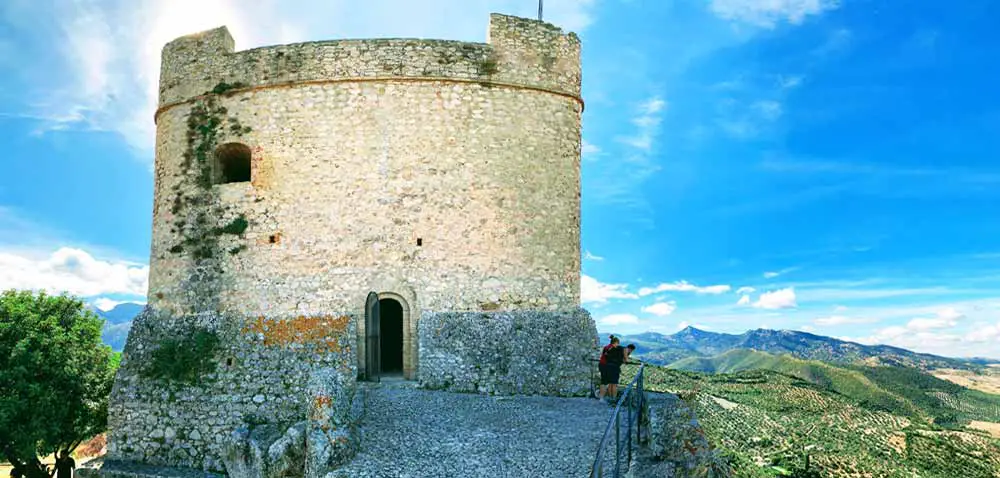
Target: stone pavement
[(407, 432)]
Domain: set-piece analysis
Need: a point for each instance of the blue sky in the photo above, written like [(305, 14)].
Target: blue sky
[(801, 164)]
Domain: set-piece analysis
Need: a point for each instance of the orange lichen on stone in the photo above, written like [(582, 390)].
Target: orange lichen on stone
[(322, 332), (322, 401)]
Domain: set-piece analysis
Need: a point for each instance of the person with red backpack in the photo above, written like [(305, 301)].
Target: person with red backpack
[(607, 385)]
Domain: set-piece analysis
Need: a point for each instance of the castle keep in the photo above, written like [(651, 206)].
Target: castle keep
[(292, 181)]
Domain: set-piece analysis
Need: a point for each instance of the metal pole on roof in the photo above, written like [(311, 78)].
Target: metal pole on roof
[(540, 10)]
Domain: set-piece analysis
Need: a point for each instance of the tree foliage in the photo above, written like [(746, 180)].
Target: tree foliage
[(55, 377)]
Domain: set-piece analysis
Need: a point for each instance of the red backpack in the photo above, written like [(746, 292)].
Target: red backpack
[(604, 354)]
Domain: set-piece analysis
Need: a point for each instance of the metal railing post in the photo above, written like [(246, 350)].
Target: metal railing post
[(629, 433), (617, 444), (628, 399)]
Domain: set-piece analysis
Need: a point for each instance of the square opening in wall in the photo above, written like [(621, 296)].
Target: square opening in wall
[(232, 163), (420, 242)]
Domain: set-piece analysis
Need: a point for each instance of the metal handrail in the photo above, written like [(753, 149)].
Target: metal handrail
[(635, 395)]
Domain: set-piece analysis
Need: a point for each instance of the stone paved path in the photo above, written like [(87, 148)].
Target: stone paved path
[(416, 433)]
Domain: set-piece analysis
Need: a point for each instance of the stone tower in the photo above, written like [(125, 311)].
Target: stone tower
[(291, 181)]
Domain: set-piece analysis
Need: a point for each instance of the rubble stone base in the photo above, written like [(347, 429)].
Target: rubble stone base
[(508, 353)]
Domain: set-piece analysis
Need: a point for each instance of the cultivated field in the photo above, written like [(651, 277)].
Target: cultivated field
[(768, 422), (988, 381)]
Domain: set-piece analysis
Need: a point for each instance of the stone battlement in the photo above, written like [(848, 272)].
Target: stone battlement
[(518, 53)]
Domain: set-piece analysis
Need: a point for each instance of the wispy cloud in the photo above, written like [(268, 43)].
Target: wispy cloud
[(843, 320), (619, 183), (593, 291), (647, 124), (589, 151), (849, 168), (587, 256), (684, 286), (790, 81), (769, 13), (619, 319), (773, 274)]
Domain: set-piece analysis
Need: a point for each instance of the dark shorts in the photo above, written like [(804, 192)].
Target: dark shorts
[(610, 373)]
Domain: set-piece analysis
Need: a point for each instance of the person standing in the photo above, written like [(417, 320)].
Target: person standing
[(64, 465), (615, 356), (602, 366), (628, 351)]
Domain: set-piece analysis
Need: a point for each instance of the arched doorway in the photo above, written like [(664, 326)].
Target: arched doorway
[(386, 346), (390, 337)]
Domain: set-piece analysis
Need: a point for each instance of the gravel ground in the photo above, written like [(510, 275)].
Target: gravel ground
[(418, 433)]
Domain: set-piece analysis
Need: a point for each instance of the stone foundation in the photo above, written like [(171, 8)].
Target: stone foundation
[(505, 353), (268, 371)]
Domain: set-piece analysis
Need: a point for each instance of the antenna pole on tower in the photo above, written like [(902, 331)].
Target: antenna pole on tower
[(540, 10)]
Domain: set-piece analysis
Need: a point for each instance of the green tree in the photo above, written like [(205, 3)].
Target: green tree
[(55, 377)]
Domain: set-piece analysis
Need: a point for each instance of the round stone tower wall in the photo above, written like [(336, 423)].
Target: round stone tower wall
[(445, 172)]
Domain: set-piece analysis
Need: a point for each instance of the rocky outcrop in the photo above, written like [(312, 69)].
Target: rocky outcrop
[(677, 446), (310, 448), (266, 451)]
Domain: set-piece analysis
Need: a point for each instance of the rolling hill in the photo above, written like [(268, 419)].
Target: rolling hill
[(903, 391), (691, 342), (837, 422)]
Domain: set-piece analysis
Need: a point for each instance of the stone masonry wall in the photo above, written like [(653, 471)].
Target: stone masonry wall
[(263, 370), (348, 174), (519, 352), (518, 52), (444, 174)]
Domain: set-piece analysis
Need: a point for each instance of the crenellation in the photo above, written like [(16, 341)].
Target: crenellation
[(519, 53)]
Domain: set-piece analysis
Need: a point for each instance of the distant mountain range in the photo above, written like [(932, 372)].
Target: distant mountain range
[(691, 342), (118, 321)]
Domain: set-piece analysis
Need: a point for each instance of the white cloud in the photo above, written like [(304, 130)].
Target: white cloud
[(588, 150), (105, 75), (73, 271), (768, 13), (839, 308), (985, 333), (661, 309), (587, 256), (771, 275), (937, 335), (593, 291), (946, 318), (745, 290), (745, 300), (779, 299), (647, 123), (842, 320), (807, 328), (619, 319), (105, 304), (684, 286)]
